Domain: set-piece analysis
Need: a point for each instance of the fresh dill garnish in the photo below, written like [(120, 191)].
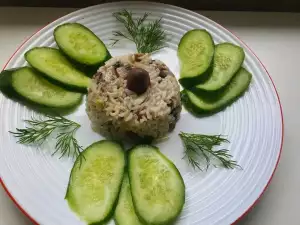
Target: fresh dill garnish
[(147, 36), (40, 129), (200, 146)]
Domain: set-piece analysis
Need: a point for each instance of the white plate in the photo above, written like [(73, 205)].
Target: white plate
[(37, 182)]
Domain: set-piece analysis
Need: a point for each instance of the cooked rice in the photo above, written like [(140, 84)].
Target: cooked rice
[(116, 111)]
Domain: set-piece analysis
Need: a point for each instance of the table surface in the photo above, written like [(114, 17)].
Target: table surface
[(274, 37)]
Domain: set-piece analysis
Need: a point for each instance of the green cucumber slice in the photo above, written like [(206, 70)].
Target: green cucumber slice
[(195, 52), (227, 61), (125, 212), (54, 65), (81, 44), (95, 182), (29, 84), (213, 101), (157, 188)]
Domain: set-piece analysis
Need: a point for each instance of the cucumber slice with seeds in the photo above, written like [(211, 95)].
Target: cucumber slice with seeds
[(195, 52), (81, 44), (29, 84), (227, 61), (157, 188), (211, 102), (54, 65), (125, 212), (95, 182)]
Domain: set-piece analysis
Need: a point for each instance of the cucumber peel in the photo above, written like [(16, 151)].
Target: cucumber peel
[(95, 182), (25, 83), (208, 102), (157, 188)]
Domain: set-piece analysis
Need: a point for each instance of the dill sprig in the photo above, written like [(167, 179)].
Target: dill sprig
[(200, 146), (40, 129), (147, 36)]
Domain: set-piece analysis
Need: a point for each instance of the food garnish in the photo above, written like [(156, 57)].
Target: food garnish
[(40, 129), (95, 184), (147, 36), (125, 213), (195, 53), (157, 188), (25, 83), (80, 44), (200, 146), (228, 59), (200, 102), (138, 80), (54, 65)]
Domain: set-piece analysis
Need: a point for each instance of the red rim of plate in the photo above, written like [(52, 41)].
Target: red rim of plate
[(238, 219)]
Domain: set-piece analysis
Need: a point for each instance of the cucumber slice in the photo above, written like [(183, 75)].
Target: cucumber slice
[(125, 212), (95, 182), (157, 188), (227, 61), (5, 84), (195, 52), (81, 44), (213, 101), (54, 65), (29, 84)]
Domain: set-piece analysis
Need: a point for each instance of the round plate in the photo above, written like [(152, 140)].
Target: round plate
[(37, 181)]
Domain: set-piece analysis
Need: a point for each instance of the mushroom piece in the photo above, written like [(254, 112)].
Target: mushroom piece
[(163, 73), (138, 80)]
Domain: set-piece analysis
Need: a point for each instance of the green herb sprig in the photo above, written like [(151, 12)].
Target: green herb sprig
[(147, 36), (200, 146), (40, 129)]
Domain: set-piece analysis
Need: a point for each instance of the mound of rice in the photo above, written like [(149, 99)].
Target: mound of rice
[(116, 111)]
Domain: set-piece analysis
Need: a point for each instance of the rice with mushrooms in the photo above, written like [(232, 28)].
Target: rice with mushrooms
[(116, 111)]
